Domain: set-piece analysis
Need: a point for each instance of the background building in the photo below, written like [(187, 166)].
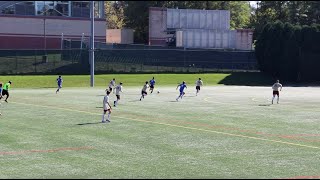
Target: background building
[(193, 28), (44, 24)]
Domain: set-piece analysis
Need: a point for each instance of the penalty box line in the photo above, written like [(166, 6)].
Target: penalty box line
[(185, 127)]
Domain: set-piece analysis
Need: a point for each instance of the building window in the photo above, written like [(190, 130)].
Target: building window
[(8, 10), (53, 8), (80, 9)]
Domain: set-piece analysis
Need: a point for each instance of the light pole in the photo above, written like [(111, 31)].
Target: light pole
[(92, 46), (44, 58)]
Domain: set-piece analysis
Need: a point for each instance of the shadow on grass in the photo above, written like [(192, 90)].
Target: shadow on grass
[(248, 79), (89, 123), (264, 105), (134, 100), (44, 87)]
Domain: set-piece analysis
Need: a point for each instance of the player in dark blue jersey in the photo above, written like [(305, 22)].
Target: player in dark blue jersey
[(152, 83), (59, 81), (181, 89)]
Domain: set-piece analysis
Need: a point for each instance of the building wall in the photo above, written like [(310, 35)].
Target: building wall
[(206, 38), (157, 26), (198, 19), (197, 29), (28, 32), (244, 39), (119, 36)]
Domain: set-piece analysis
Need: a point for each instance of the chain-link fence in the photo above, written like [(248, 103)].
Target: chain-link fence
[(76, 61)]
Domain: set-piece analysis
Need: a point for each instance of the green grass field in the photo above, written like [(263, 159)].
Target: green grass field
[(49, 81), (224, 132)]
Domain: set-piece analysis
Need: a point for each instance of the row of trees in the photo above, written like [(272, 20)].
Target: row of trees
[(294, 12), (290, 52)]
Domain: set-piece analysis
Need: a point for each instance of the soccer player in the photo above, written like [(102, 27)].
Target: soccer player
[(5, 90), (275, 87), (0, 90), (0, 93), (59, 82), (118, 90), (182, 86), (152, 83), (112, 83), (106, 108), (144, 90), (198, 84)]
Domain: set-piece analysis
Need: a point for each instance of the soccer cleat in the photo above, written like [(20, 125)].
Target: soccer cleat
[(6, 101), (108, 120), (103, 121)]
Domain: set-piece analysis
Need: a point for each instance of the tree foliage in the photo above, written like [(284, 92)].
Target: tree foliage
[(290, 52), (294, 12), (114, 11)]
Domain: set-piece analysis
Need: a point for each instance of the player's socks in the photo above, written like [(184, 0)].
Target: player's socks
[(103, 115), (108, 117)]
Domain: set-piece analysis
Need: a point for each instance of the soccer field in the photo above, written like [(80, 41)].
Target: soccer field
[(224, 132)]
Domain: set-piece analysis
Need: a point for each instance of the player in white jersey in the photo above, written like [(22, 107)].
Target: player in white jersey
[(106, 108), (276, 87), (112, 83), (144, 90), (198, 84), (118, 90)]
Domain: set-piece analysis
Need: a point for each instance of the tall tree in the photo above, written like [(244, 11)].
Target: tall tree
[(114, 11)]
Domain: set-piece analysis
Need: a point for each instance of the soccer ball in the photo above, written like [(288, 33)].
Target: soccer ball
[(158, 92)]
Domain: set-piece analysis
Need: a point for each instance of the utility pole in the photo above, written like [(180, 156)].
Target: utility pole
[(92, 46)]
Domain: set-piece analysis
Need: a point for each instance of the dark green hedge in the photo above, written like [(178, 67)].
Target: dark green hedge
[(288, 52)]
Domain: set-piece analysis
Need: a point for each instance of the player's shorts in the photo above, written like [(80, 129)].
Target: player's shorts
[(151, 86), (108, 109), (110, 89), (144, 93), (5, 92), (182, 93), (118, 97), (275, 93), (198, 87), (59, 85)]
